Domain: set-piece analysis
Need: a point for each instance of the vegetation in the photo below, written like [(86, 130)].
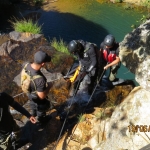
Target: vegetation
[(25, 26), (60, 45), (81, 118), (128, 6), (101, 115), (146, 4), (118, 1), (38, 2)]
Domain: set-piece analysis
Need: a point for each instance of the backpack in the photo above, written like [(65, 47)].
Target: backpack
[(26, 79)]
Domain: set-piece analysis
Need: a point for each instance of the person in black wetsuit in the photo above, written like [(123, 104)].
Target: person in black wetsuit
[(7, 123), (87, 57)]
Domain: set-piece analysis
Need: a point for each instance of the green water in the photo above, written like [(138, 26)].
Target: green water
[(90, 21)]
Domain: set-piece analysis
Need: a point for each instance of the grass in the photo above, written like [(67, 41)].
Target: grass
[(38, 2), (25, 25), (81, 118), (60, 45)]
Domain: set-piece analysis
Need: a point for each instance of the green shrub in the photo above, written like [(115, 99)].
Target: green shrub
[(81, 118), (128, 6), (25, 26), (60, 45), (118, 1), (38, 2)]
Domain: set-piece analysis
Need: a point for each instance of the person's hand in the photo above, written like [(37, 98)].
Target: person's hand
[(32, 119), (106, 67)]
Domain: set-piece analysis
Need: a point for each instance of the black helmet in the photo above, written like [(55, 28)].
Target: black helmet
[(109, 40), (74, 46), (82, 42)]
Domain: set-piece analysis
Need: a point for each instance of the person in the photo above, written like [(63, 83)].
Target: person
[(109, 54), (87, 57), (39, 87), (7, 123)]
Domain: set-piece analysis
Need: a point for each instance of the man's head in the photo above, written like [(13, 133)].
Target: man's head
[(109, 40), (74, 47), (41, 57)]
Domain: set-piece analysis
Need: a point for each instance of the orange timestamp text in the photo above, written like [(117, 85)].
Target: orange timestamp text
[(140, 128)]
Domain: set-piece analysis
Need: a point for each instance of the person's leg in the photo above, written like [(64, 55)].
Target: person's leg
[(42, 107), (33, 107), (113, 72)]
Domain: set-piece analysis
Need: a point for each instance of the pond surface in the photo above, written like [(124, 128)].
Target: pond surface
[(89, 20)]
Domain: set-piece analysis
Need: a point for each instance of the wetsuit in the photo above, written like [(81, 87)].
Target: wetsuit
[(88, 62)]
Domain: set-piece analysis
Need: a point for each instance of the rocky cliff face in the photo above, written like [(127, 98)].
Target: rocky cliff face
[(135, 52), (124, 125), (128, 126), (136, 2)]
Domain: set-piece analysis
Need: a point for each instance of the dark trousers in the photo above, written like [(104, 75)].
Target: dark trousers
[(34, 109), (88, 83)]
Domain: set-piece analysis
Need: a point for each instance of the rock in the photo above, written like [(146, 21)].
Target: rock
[(132, 112), (20, 48), (134, 53)]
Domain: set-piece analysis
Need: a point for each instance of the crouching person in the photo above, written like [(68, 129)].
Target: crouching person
[(7, 123), (87, 56)]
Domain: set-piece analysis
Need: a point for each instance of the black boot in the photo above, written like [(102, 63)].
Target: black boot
[(43, 120)]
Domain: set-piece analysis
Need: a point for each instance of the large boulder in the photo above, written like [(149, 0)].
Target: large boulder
[(129, 127), (134, 53)]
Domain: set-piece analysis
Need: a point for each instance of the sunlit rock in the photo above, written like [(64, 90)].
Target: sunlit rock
[(134, 53), (129, 123), (20, 48)]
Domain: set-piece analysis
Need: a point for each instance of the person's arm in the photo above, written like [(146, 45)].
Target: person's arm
[(43, 88), (93, 59), (17, 106), (116, 61), (101, 52), (23, 111)]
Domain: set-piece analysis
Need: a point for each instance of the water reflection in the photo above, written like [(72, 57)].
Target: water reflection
[(69, 26)]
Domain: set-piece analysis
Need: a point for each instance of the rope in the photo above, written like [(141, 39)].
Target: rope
[(87, 103), (18, 95), (67, 115)]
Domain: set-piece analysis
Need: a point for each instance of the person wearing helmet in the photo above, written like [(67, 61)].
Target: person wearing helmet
[(109, 51), (87, 57)]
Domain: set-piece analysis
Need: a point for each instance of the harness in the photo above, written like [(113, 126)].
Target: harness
[(27, 78), (109, 56)]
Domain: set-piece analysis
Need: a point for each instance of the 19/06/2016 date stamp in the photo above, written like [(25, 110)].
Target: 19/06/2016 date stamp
[(140, 128)]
